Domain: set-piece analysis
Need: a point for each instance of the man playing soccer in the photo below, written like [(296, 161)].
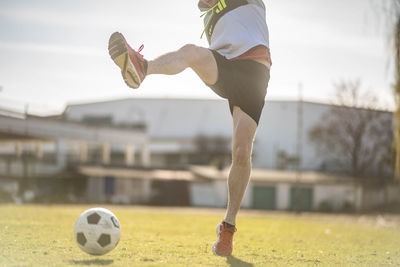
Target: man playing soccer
[(235, 66)]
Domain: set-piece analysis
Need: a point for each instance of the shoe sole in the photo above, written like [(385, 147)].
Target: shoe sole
[(213, 248), (215, 253), (118, 51)]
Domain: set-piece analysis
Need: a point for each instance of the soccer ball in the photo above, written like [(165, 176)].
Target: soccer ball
[(97, 231)]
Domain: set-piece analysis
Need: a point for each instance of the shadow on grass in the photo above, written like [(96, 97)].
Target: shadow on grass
[(96, 262), (235, 262)]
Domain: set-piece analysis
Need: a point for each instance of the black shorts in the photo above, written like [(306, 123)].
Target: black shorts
[(243, 82)]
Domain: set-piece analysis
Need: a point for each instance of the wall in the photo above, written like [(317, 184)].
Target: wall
[(209, 194), (283, 196), (126, 191), (203, 195), (336, 195)]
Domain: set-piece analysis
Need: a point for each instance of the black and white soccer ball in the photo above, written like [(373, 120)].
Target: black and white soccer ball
[(97, 231)]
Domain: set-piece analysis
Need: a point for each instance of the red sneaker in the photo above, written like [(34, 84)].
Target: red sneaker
[(223, 246), (132, 64)]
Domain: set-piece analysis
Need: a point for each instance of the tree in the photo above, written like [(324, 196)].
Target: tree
[(354, 134), (397, 90), (391, 10)]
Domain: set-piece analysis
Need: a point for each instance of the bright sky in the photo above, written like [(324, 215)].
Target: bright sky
[(55, 52)]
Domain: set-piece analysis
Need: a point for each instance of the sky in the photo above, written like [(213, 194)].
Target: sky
[(54, 53)]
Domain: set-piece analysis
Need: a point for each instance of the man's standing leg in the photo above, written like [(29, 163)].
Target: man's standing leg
[(244, 129)]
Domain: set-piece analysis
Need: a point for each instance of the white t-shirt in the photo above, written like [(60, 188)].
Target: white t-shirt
[(240, 30)]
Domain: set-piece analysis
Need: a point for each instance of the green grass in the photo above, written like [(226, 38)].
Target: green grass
[(43, 236)]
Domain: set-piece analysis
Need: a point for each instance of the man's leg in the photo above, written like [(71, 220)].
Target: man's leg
[(134, 67), (244, 129), (200, 59)]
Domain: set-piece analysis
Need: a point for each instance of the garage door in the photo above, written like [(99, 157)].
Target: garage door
[(264, 197)]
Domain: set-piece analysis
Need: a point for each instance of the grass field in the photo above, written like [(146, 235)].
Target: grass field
[(43, 236)]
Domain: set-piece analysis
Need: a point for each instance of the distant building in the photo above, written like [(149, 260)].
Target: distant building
[(175, 127)]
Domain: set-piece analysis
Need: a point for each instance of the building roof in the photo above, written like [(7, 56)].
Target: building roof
[(274, 176), (43, 128), (125, 173)]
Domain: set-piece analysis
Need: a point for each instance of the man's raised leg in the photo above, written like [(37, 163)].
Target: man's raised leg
[(200, 59), (134, 68)]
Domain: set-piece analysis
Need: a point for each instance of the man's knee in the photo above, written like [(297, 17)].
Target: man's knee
[(189, 48), (193, 54), (241, 155)]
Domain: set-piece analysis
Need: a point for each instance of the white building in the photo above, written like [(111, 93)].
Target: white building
[(173, 124)]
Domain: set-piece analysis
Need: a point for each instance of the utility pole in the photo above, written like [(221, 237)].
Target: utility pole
[(26, 108), (299, 147)]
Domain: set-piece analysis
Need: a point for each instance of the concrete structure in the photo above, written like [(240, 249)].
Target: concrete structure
[(63, 140)]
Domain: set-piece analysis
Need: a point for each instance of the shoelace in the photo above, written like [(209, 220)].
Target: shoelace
[(140, 48), (138, 51), (226, 230), (211, 9)]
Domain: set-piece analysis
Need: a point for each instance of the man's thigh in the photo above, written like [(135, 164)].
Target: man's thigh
[(244, 128)]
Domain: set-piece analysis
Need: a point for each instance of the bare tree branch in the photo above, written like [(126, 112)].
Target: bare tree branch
[(353, 134)]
